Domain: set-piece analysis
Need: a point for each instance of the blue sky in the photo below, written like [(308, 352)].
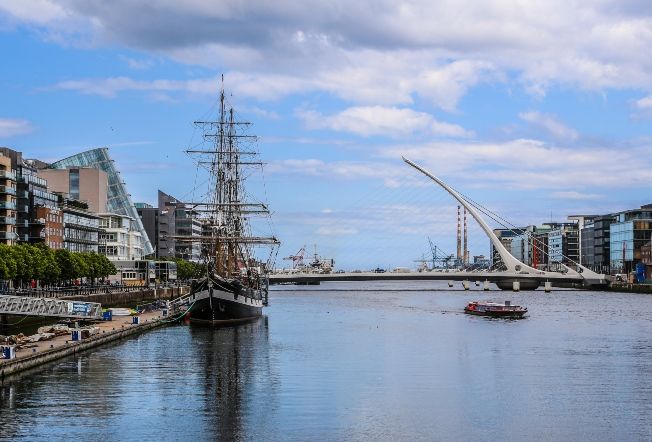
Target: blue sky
[(535, 109)]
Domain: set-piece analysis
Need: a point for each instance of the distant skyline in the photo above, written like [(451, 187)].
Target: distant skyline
[(534, 109)]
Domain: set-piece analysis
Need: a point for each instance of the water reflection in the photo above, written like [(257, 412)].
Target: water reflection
[(360, 365), (238, 385)]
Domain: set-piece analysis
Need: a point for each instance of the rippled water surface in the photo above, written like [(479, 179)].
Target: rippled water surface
[(346, 361)]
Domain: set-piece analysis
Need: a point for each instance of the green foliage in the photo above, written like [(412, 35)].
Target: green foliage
[(23, 263), (187, 269), (7, 263)]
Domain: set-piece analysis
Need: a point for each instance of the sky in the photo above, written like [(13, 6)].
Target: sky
[(535, 109)]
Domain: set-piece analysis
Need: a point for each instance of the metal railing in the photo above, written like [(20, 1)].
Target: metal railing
[(27, 306), (64, 292)]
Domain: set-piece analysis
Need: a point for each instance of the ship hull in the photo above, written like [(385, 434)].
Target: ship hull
[(220, 308), (497, 314)]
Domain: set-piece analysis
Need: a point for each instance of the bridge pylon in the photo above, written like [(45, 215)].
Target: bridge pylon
[(528, 277)]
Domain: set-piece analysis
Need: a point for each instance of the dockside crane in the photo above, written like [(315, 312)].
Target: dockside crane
[(297, 259)]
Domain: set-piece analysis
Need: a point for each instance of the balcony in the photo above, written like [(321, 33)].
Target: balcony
[(7, 190), (8, 236), (38, 221), (7, 205), (8, 175), (5, 220)]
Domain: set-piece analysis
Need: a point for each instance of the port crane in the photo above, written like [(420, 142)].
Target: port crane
[(297, 259), (438, 259)]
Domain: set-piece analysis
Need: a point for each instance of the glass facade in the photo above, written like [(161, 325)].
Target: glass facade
[(627, 240), (118, 200)]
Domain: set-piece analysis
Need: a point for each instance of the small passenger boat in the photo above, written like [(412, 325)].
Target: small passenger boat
[(495, 310)]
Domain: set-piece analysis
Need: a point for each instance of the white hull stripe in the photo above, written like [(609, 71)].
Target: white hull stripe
[(227, 296)]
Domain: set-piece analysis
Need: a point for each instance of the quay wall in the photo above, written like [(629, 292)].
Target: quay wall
[(20, 364), (631, 288), (124, 298)]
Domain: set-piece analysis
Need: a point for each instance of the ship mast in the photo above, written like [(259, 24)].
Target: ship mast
[(226, 229)]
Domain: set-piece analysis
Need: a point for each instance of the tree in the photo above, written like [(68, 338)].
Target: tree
[(66, 263), (81, 266), (107, 268), (7, 263)]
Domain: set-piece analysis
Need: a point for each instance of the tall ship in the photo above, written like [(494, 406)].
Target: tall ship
[(234, 286)]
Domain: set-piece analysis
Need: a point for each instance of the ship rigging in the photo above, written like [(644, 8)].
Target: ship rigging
[(235, 286)]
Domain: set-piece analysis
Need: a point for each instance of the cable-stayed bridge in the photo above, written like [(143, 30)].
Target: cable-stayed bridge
[(512, 273)]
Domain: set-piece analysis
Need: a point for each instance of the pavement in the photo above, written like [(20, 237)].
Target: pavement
[(105, 327)]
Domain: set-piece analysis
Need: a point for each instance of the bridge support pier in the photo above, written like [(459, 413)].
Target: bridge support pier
[(486, 285), (450, 283), (465, 284), (547, 287), (523, 284)]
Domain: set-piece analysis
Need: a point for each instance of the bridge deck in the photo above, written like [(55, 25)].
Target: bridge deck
[(315, 278), (51, 307)]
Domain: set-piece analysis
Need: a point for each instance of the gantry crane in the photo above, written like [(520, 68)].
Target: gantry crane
[(297, 259)]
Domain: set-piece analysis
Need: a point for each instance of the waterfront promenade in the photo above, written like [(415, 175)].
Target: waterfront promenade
[(58, 347)]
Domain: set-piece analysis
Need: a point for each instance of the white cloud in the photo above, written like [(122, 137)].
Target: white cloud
[(550, 124), (40, 12), (12, 127), (565, 172), (371, 53), (572, 195), (379, 120), (531, 164), (644, 103), (242, 85), (137, 64), (335, 231)]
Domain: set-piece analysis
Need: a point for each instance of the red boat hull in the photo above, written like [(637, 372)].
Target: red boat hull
[(515, 314)]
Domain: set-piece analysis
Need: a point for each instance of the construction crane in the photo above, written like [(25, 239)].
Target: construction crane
[(297, 259)]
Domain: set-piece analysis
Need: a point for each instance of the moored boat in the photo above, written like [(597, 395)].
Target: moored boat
[(495, 310), (234, 287)]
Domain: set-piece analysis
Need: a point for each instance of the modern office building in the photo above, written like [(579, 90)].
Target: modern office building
[(8, 233), (170, 220), (563, 243), (587, 246), (81, 228), (120, 239), (118, 199), (81, 183), (628, 236), (646, 258), (177, 219), (48, 225), (31, 193), (505, 236), (582, 222), (149, 216), (528, 247)]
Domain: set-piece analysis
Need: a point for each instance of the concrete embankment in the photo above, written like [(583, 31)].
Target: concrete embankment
[(62, 346), (113, 299), (631, 288), (129, 298)]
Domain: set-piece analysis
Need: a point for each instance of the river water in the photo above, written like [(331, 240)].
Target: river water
[(360, 361)]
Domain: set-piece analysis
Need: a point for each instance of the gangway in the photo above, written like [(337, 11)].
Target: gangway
[(51, 307), (176, 305)]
